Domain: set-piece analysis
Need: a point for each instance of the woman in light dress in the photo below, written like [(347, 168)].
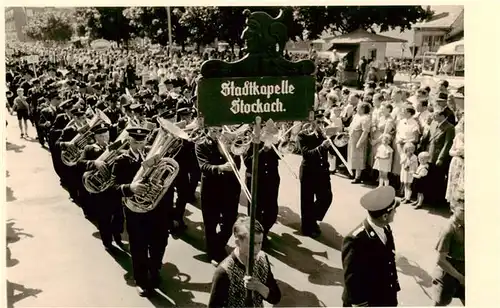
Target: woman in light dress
[(382, 124), (456, 171), (358, 140)]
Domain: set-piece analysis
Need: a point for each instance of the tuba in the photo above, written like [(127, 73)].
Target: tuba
[(71, 155), (159, 169), (96, 181)]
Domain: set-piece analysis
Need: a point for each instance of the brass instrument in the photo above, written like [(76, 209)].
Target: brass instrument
[(72, 153), (96, 181), (231, 162), (288, 144), (241, 139), (341, 140), (327, 133), (159, 169), (196, 132)]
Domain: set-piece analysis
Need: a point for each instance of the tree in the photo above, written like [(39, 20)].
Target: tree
[(105, 22), (49, 26), (152, 22), (345, 19), (201, 23)]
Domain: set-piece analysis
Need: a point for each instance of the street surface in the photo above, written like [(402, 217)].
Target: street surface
[(56, 259)]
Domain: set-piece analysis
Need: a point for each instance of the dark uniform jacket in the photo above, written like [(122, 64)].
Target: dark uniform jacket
[(113, 114), (90, 153), (268, 161), (314, 157), (48, 116), (124, 170), (370, 276), (209, 158), (150, 111)]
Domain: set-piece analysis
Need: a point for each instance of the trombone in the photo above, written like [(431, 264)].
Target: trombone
[(230, 160), (241, 145), (323, 131)]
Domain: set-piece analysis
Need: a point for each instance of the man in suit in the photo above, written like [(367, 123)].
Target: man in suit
[(442, 104), (314, 177), (438, 142), (368, 254)]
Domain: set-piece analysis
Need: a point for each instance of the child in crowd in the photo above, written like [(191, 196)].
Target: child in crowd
[(383, 160), (336, 124), (419, 178), (409, 164)]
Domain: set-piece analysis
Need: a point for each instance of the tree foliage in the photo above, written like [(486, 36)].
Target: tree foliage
[(49, 26), (105, 22), (152, 22), (203, 25)]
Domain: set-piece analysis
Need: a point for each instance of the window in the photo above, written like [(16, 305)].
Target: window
[(9, 14), (452, 66), (459, 66)]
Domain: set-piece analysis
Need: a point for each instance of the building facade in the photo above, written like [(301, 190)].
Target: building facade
[(15, 19), (441, 29)]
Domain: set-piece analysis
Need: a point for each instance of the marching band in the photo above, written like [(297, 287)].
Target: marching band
[(133, 155)]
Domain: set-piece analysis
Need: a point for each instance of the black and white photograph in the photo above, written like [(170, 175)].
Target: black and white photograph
[(235, 156)]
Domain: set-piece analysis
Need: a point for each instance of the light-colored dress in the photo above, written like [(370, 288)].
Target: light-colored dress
[(379, 126), (383, 158), (408, 168), (457, 170), (357, 157)]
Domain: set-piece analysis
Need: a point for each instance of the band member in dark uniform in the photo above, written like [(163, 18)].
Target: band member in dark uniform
[(220, 193), (114, 114), (268, 183), (105, 205), (188, 176), (368, 254), (148, 232), (72, 175), (62, 119), (314, 177)]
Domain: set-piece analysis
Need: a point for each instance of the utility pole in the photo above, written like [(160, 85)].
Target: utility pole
[(170, 44)]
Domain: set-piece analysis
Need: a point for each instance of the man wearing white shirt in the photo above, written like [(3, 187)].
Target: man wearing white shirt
[(398, 104), (423, 115)]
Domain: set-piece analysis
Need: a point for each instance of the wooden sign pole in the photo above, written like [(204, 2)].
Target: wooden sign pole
[(253, 205)]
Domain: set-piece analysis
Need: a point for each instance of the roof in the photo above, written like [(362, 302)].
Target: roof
[(442, 20), (363, 36), (452, 48)]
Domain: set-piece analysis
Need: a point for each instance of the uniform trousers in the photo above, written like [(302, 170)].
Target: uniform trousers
[(184, 195), (315, 196), (219, 206), (267, 198), (108, 211), (148, 238)]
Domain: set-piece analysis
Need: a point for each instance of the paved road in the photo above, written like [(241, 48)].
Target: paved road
[(55, 258)]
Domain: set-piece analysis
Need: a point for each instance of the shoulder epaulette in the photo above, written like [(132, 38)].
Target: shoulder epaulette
[(358, 230)]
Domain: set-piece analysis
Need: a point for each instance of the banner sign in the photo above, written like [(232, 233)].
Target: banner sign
[(225, 101), (100, 44), (32, 59)]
